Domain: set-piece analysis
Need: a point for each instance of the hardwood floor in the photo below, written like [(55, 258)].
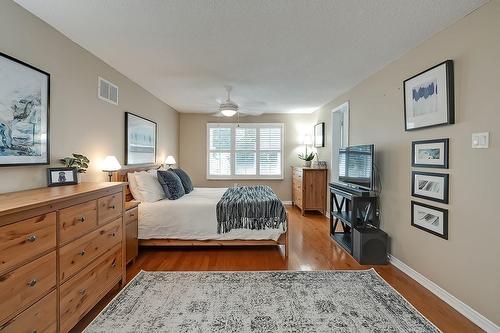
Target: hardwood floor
[(310, 249)]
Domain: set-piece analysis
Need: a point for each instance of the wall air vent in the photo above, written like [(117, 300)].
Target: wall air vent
[(107, 91)]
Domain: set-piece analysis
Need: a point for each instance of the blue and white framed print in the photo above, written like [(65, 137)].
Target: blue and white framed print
[(140, 140), (430, 153), (24, 113), (429, 98)]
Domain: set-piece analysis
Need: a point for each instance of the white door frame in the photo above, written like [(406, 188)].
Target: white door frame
[(344, 109)]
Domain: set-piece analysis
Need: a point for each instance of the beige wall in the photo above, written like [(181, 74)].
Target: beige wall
[(79, 121), (467, 265), (193, 150)]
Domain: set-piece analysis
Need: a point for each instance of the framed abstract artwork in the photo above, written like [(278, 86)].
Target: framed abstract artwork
[(319, 135), (434, 220), (429, 98), (430, 153), (140, 140), (430, 186), (24, 113)]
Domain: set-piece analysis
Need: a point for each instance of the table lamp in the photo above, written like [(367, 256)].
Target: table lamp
[(170, 160), (109, 165)]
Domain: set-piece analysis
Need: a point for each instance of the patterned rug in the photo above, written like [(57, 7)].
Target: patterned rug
[(324, 301)]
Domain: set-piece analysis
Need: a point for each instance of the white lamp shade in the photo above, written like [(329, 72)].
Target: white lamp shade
[(110, 163), (228, 113), (306, 140), (170, 160)]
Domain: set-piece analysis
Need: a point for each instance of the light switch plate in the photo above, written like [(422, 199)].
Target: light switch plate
[(481, 140)]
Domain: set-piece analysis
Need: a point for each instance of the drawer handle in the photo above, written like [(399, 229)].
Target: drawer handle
[(132, 215), (82, 291), (81, 219), (34, 331), (113, 264), (31, 238), (113, 234), (32, 283), (111, 207), (82, 253)]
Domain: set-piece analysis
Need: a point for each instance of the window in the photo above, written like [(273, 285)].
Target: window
[(244, 151)]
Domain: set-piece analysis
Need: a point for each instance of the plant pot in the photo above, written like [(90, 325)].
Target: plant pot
[(307, 164)]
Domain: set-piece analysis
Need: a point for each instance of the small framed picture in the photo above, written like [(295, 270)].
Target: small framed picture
[(319, 135), (430, 186), (434, 220), (430, 153), (429, 97), (61, 176)]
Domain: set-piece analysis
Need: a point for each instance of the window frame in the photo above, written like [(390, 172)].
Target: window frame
[(233, 151)]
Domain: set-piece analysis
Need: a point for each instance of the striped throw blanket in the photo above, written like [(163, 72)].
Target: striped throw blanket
[(250, 207)]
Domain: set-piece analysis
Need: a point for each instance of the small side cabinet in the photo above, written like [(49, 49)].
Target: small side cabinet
[(309, 188), (131, 230)]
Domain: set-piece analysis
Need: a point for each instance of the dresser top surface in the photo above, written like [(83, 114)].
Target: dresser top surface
[(14, 201), (309, 168)]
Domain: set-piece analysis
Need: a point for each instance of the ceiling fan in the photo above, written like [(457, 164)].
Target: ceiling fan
[(229, 108)]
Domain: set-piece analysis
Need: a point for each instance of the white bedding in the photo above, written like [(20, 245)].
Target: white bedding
[(192, 217)]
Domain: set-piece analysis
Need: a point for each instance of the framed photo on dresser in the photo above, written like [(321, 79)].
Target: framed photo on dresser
[(61, 176), (140, 140), (24, 113)]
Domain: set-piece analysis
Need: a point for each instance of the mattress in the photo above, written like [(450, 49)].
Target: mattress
[(192, 217)]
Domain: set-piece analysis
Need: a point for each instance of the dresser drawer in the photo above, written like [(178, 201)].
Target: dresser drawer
[(77, 220), (21, 241), (27, 284), (79, 253), (80, 293), (41, 317), (110, 207), (131, 215)]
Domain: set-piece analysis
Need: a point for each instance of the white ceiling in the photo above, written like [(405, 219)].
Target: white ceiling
[(279, 55)]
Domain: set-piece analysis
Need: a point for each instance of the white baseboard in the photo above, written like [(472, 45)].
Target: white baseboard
[(454, 302)]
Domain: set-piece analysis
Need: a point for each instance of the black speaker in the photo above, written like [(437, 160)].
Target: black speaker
[(369, 246)]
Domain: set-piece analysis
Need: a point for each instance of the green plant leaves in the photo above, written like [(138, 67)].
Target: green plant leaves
[(78, 161)]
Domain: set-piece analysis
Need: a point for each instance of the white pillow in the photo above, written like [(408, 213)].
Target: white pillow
[(149, 187), (134, 188)]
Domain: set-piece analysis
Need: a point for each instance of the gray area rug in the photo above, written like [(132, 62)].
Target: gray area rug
[(324, 301)]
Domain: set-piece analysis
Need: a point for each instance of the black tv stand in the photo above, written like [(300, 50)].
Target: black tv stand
[(351, 208)]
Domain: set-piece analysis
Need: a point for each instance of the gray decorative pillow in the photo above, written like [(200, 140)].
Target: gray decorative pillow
[(171, 184), (186, 181)]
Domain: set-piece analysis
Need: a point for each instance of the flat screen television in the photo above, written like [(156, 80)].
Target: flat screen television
[(356, 166)]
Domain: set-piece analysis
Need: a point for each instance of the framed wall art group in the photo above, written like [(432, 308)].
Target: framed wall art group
[(428, 102)]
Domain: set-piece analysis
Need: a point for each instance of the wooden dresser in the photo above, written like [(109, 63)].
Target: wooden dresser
[(61, 250), (309, 188)]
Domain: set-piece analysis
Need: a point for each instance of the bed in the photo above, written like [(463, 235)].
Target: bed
[(192, 221)]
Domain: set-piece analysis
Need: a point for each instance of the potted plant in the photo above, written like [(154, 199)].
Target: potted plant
[(307, 158), (77, 161)]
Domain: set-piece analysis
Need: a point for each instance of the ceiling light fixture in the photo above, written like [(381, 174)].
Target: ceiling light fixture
[(228, 108)]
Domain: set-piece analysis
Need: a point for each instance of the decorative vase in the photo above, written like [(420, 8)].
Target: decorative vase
[(307, 164)]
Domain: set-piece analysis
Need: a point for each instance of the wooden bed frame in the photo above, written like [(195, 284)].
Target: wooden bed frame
[(121, 176)]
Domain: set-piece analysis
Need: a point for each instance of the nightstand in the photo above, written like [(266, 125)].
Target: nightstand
[(131, 230)]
